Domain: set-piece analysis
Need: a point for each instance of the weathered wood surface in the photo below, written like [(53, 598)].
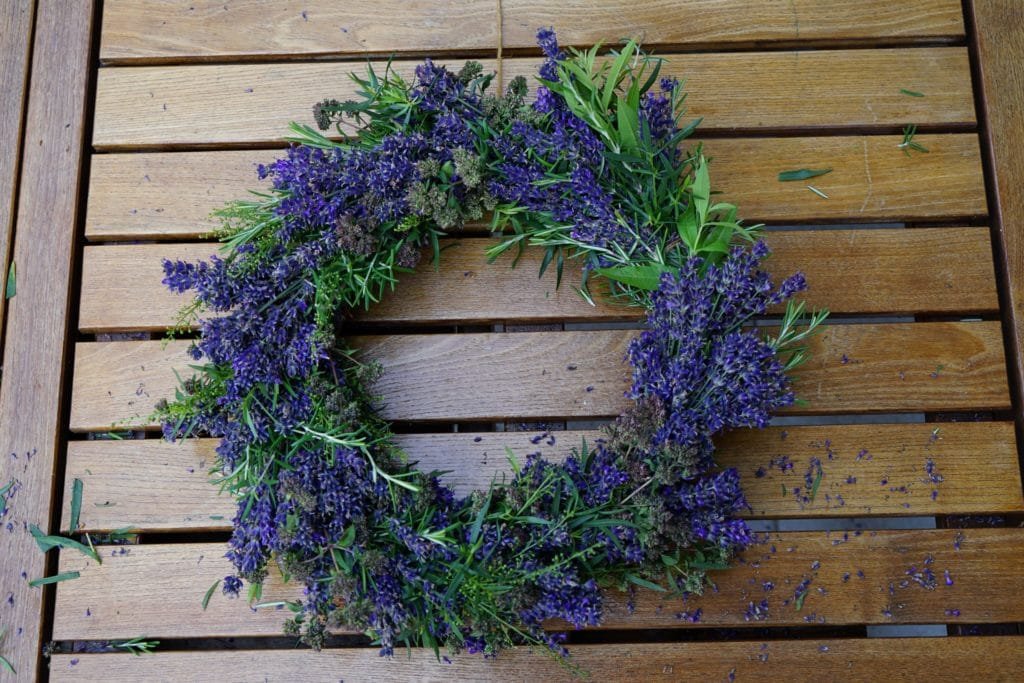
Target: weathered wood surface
[(999, 31), (538, 375), (210, 105), (848, 271), (136, 31), (892, 659), (246, 99), (34, 352), (153, 31), (171, 195), (153, 485), (15, 42), (170, 581)]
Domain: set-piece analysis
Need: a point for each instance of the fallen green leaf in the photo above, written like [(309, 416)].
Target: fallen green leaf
[(66, 576), (803, 174), (47, 543), (12, 282), (209, 594), (76, 504)]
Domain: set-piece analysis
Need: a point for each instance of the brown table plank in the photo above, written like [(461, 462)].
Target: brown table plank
[(894, 659), (154, 485), (33, 372), (848, 271), (456, 377), (15, 41), (171, 195), (153, 31), (986, 573), (999, 32), (147, 107), (724, 23)]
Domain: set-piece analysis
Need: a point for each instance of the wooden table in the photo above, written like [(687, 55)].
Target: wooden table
[(121, 132)]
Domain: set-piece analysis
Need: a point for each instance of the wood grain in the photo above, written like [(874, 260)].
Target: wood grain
[(540, 375), (901, 659), (33, 364), (986, 573), (152, 31), (206, 105), (15, 43), (848, 271), (716, 23), (153, 485), (999, 32), (171, 195)]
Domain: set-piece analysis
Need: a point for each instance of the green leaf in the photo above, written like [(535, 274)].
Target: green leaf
[(513, 461), (474, 532), (802, 174), (689, 231), (531, 519), (46, 543), (646, 276), (3, 495), (644, 583), (799, 604), (209, 594), (615, 73), (348, 537), (76, 503), (255, 592), (701, 190), (815, 485), (629, 124), (66, 576), (4, 664), (911, 93), (549, 254), (12, 282)]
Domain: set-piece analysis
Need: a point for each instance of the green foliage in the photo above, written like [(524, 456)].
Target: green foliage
[(670, 214), (138, 646)]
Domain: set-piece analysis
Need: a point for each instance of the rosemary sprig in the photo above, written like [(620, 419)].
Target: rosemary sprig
[(138, 645), (908, 141)]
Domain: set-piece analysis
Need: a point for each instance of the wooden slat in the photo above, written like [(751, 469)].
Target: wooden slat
[(728, 22), (171, 195), (154, 485), (999, 33), (170, 581), (159, 31), (33, 363), (15, 42), (535, 375), (153, 31), (943, 270), (894, 659), (204, 105)]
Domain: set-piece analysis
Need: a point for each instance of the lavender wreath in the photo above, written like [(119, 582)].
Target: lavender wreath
[(592, 169)]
